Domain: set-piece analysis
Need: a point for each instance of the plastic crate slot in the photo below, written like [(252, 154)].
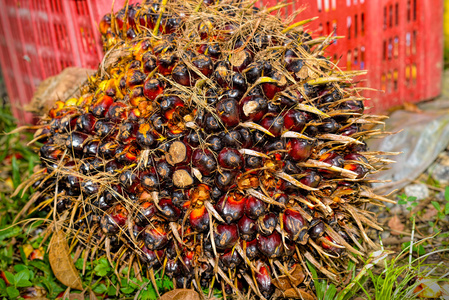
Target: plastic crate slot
[(395, 79), (348, 3), (319, 5), (348, 24), (415, 37), (414, 73), (396, 13), (409, 10), (385, 17), (356, 56), (407, 74), (390, 48), (396, 47), (362, 58), (349, 61), (81, 8), (414, 10), (391, 16), (384, 55), (356, 25), (362, 25), (56, 6), (62, 40), (334, 4)]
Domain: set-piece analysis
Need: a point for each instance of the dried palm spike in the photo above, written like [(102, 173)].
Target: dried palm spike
[(215, 147)]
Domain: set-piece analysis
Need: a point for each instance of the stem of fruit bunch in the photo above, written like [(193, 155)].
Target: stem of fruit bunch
[(158, 23)]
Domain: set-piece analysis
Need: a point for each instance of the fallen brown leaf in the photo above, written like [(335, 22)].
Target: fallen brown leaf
[(61, 263), (303, 295), (411, 107), (180, 294), (396, 225), (284, 282), (430, 213)]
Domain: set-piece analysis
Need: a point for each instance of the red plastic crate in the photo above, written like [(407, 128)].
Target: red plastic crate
[(400, 42)]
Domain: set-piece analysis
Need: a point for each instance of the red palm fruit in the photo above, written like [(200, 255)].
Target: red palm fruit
[(271, 245), (68, 123), (231, 259), (101, 106), (225, 179), (317, 230), (146, 211), (129, 180), (356, 167), (204, 161), (326, 246), (213, 50), (294, 120), (299, 149), (134, 115), (254, 207), (247, 228), (294, 224), (75, 141), (263, 280), (134, 78), (253, 108), (226, 236), (127, 154), (311, 178), (168, 210), (107, 149), (86, 123), (251, 249), (150, 180), (223, 74), (170, 105), (273, 124), (181, 74), (350, 130), (332, 158), (166, 62), (204, 64), (271, 89), (108, 225), (267, 223), (56, 109), (199, 219), (172, 268), (329, 126), (228, 112), (155, 236), (119, 214), (164, 170), (231, 207), (230, 158), (240, 60), (151, 257), (188, 259), (105, 24), (152, 88), (91, 149), (116, 112), (104, 129), (149, 62), (144, 137), (126, 132)]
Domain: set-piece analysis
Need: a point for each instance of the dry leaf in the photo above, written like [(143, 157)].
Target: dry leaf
[(61, 263), (411, 107), (430, 213), (284, 283), (180, 294), (396, 225), (303, 295), (60, 87)]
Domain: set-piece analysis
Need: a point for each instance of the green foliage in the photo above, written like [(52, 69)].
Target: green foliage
[(410, 201)]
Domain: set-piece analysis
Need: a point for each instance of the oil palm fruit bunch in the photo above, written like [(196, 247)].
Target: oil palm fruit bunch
[(215, 145)]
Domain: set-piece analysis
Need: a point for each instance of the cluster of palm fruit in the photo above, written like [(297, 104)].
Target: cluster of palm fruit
[(218, 146)]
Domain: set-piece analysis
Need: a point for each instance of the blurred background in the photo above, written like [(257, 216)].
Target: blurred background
[(400, 42)]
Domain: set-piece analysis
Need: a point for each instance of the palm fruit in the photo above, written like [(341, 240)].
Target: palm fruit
[(218, 145)]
